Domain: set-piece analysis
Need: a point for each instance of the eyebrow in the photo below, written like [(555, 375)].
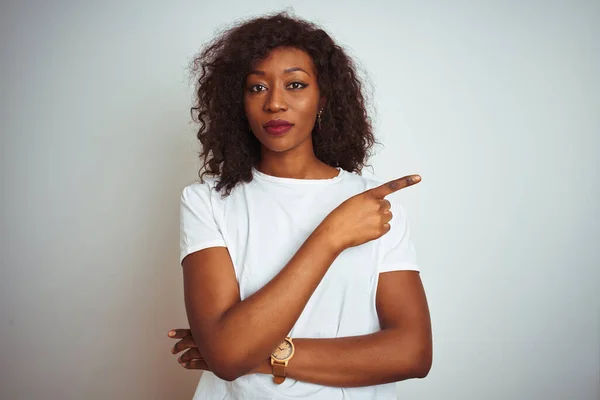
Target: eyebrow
[(285, 71)]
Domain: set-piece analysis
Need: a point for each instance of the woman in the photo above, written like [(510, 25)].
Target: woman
[(300, 278)]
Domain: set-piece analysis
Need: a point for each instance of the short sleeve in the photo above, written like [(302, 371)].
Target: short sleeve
[(396, 251), (198, 226)]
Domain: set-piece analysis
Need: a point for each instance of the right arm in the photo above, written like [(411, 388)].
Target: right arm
[(235, 336)]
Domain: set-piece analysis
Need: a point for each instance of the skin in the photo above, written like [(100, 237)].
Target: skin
[(286, 88)]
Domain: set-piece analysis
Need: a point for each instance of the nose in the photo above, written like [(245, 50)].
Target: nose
[(275, 100)]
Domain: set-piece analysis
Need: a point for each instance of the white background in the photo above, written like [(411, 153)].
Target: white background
[(495, 103)]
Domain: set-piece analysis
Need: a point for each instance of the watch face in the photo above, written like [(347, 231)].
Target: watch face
[(283, 351)]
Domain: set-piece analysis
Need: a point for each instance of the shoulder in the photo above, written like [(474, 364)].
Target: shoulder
[(205, 192), (197, 188), (200, 194)]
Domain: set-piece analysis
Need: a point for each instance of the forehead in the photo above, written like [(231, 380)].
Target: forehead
[(285, 57)]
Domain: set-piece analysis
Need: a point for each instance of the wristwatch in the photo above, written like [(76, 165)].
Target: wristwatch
[(280, 358)]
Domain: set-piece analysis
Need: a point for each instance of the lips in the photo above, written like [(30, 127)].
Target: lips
[(277, 127), (276, 123)]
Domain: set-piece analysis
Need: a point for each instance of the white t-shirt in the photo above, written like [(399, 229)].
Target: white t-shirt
[(263, 223)]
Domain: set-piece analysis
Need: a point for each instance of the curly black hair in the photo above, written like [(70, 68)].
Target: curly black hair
[(229, 149)]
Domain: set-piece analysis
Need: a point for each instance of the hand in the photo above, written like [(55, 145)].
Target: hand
[(365, 216), (191, 359)]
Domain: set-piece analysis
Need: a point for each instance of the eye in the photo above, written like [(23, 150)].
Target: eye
[(257, 88), (297, 85)]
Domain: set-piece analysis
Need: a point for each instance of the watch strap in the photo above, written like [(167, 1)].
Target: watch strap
[(278, 372), (278, 367)]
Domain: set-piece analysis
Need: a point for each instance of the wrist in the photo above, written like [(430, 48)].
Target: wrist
[(263, 368), (280, 357), (327, 239)]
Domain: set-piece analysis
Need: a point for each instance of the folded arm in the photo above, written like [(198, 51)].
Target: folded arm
[(224, 327), (401, 350)]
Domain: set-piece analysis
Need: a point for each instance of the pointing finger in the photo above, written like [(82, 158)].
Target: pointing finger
[(395, 185)]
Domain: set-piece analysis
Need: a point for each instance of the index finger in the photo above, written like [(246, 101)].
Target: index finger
[(395, 185), (179, 333)]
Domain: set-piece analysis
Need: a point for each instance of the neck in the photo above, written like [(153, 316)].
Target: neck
[(290, 166)]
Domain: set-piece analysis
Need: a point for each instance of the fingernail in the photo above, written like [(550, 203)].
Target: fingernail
[(171, 333), (416, 179)]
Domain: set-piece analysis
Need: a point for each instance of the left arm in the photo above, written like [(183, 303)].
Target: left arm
[(401, 350)]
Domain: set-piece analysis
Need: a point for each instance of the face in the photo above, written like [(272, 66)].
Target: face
[(281, 100)]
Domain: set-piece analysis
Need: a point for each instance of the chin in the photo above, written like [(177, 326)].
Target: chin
[(281, 144), (277, 148)]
